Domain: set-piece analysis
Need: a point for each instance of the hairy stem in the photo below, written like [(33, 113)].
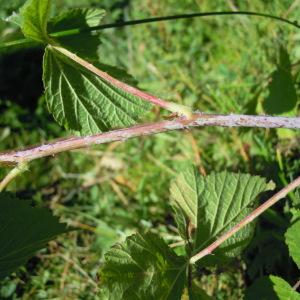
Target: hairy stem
[(257, 212), (76, 31), (197, 120), (19, 169)]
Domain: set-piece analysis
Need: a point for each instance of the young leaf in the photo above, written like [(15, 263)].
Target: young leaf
[(34, 16), (215, 203), (144, 267), (23, 231), (292, 239), (271, 287), (84, 102), (79, 18)]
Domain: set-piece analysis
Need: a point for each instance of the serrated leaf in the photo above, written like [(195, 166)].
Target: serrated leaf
[(292, 239), (283, 290), (79, 18), (23, 231), (282, 92), (34, 16), (214, 204), (84, 102), (185, 191), (181, 222), (144, 267), (271, 287)]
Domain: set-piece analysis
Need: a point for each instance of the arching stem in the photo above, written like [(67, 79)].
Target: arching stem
[(75, 31)]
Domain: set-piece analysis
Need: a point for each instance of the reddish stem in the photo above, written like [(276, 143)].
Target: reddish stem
[(281, 194), (197, 120)]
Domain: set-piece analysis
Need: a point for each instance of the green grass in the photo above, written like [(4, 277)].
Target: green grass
[(217, 65)]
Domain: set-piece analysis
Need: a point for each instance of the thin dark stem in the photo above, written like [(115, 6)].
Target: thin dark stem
[(76, 31), (190, 16)]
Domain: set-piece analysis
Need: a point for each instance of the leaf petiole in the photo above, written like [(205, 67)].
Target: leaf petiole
[(16, 171), (173, 107)]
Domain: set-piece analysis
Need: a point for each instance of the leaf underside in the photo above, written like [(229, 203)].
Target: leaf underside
[(78, 99), (214, 204), (84, 102)]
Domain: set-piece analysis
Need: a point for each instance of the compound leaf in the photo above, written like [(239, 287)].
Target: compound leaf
[(84, 102), (214, 204), (271, 287), (34, 16), (292, 239), (144, 267), (23, 231), (79, 18)]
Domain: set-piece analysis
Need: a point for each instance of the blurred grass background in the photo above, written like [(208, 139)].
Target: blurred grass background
[(221, 65)]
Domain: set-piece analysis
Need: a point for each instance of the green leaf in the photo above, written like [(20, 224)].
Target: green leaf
[(282, 92), (292, 239), (23, 231), (271, 287), (14, 18), (295, 213), (185, 191), (144, 267), (79, 18), (84, 102), (34, 16), (181, 221), (214, 204), (197, 293)]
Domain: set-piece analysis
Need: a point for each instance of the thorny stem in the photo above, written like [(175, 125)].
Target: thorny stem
[(76, 31), (257, 212), (197, 120), (16, 171)]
